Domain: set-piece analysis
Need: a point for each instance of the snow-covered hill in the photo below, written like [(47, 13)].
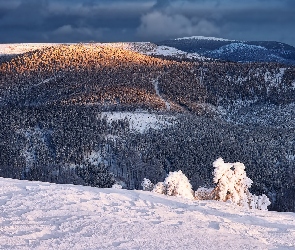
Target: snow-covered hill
[(234, 50), (19, 48), (203, 38), (145, 48), (35, 215)]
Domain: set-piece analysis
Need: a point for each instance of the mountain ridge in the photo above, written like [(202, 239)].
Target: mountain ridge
[(217, 48)]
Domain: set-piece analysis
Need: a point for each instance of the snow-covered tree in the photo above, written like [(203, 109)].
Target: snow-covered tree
[(175, 184), (147, 185), (260, 202), (159, 188), (233, 184), (117, 186), (96, 175)]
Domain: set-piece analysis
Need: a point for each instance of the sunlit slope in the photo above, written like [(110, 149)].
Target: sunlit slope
[(79, 74), (76, 74), (109, 76), (92, 74)]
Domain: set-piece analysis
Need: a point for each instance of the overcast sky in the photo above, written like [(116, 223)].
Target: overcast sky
[(145, 20)]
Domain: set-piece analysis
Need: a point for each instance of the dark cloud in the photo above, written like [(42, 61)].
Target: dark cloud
[(148, 20), (163, 26)]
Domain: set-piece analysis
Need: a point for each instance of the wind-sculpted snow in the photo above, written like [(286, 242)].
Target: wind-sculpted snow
[(36, 215)]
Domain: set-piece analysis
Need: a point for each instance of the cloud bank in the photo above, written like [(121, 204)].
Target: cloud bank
[(145, 20)]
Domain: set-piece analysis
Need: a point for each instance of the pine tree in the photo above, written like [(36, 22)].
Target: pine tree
[(96, 175)]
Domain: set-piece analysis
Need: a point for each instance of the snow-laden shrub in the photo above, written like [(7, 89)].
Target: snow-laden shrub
[(159, 188), (203, 193), (233, 184), (175, 184), (259, 202), (117, 186), (147, 185)]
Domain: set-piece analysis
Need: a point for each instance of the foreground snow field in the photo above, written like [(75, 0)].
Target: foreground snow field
[(35, 215)]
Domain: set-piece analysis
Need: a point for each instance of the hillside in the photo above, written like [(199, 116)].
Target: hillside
[(233, 50), (36, 215), (95, 114)]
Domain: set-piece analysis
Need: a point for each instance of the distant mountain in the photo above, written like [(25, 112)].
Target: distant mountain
[(233, 50)]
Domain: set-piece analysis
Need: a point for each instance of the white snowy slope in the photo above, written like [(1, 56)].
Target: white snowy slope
[(140, 121), (203, 38), (170, 51), (19, 48), (36, 215)]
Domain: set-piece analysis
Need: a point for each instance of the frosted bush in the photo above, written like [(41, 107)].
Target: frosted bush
[(147, 185), (259, 202), (175, 184), (203, 193), (233, 184), (117, 186), (159, 188)]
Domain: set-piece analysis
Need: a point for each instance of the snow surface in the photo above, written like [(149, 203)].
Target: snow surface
[(156, 85), (19, 48), (139, 121), (203, 38), (170, 51), (35, 215)]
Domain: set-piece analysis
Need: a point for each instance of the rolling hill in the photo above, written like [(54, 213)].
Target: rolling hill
[(235, 51)]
